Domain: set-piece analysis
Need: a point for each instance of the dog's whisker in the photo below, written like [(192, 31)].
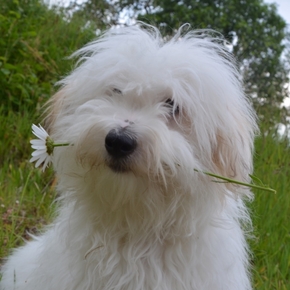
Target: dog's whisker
[(92, 250)]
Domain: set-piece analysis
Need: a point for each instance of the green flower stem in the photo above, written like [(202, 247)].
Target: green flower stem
[(60, 144), (51, 145), (237, 182)]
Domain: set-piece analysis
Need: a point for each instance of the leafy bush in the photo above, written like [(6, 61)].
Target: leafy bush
[(34, 43)]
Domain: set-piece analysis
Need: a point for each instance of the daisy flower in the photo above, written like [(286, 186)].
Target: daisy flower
[(43, 147)]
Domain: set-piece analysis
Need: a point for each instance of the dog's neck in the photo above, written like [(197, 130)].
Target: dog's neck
[(127, 206), (134, 221)]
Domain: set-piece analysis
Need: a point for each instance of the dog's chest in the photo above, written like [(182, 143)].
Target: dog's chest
[(143, 266)]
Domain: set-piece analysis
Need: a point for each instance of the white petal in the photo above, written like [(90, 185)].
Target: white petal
[(40, 136), (39, 152), (46, 163), (34, 158), (37, 142), (39, 161), (39, 147), (39, 132)]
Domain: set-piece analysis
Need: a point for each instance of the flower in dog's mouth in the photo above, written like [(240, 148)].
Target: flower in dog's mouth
[(43, 146)]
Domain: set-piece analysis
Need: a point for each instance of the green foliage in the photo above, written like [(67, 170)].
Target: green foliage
[(26, 196), (25, 192), (271, 215), (257, 33), (15, 131), (101, 14), (34, 43)]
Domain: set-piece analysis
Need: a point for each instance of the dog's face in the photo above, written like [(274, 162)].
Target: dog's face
[(135, 129), (157, 110)]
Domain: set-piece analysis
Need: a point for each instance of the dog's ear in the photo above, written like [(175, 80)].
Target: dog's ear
[(232, 149), (54, 107)]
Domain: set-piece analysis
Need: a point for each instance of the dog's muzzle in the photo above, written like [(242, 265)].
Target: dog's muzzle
[(120, 144)]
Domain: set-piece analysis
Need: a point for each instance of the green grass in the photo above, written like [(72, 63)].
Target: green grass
[(26, 196), (271, 215), (25, 201)]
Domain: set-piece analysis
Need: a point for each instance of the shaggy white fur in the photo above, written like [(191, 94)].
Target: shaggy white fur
[(141, 114)]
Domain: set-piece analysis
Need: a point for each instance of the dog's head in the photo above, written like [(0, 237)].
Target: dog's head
[(137, 104)]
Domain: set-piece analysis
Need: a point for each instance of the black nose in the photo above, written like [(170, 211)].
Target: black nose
[(120, 144)]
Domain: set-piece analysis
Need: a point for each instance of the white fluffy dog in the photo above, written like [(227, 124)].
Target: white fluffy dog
[(143, 115)]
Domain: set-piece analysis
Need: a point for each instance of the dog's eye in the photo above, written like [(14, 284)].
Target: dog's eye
[(117, 91), (113, 91), (170, 104)]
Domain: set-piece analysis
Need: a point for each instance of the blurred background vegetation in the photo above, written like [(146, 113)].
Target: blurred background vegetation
[(34, 45)]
